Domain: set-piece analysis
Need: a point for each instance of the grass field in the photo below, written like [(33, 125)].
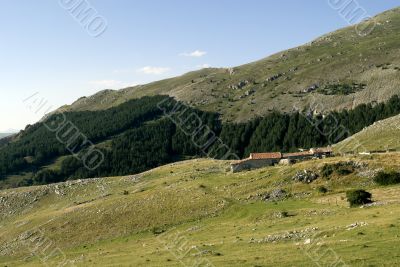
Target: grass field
[(197, 211)]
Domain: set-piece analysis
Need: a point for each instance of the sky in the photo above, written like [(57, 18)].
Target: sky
[(49, 56)]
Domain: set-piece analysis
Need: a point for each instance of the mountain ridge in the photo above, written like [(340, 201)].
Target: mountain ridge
[(3, 135), (285, 80)]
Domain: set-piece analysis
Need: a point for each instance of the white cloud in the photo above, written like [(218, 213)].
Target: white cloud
[(196, 53), (111, 84), (154, 70), (203, 66)]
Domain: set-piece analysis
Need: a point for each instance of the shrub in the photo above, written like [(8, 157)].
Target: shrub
[(341, 89), (341, 168), (327, 171), (387, 178), (126, 192), (157, 230), (358, 197), (343, 172), (322, 189)]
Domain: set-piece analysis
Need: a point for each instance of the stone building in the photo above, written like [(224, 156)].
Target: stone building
[(256, 160), (260, 160)]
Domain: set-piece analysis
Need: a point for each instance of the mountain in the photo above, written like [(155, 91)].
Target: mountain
[(381, 136), (339, 70), (137, 129), (145, 133), (2, 135), (167, 196)]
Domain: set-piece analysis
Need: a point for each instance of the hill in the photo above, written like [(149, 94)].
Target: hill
[(2, 135), (152, 131), (197, 211), (381, 136), (339, 70)]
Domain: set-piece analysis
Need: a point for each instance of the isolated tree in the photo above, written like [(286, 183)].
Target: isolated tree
[(358, 197)]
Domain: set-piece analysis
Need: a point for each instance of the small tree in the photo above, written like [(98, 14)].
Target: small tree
[(387, 178), (358, 197)]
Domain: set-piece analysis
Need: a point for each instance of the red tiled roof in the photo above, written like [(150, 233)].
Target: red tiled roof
[(279, 155), (276, 155), (322, 150)]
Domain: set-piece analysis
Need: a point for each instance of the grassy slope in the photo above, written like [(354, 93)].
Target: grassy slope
[(338, 57), (215, 212), (382, 135)]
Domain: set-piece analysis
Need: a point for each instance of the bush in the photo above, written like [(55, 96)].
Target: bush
[(358, 197), (387, 178), (327, 171), (344, 172), (157, 230), (341, 168), (322, 189)]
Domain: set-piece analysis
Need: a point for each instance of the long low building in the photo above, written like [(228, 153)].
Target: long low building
[(260, 160)]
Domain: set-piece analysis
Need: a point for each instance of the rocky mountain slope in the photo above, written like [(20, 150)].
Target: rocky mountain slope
[(339, 70)]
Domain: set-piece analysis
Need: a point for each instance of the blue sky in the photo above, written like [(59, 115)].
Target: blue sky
[(44, 50)]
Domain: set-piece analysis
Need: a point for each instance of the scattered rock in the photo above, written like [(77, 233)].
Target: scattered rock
[(356, 225), (305, 176), (275, 195), (250, 92), (274, 77), (311, 88), (240, 85), (290, 235)]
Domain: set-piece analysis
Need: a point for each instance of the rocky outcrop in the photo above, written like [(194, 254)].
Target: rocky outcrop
[(305, 176)]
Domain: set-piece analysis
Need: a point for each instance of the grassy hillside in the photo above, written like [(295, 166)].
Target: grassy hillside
[(381, 136), (347, 68), (197, 211)]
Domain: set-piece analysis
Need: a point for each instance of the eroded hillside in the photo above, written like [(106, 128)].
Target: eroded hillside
[(339, 70)]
